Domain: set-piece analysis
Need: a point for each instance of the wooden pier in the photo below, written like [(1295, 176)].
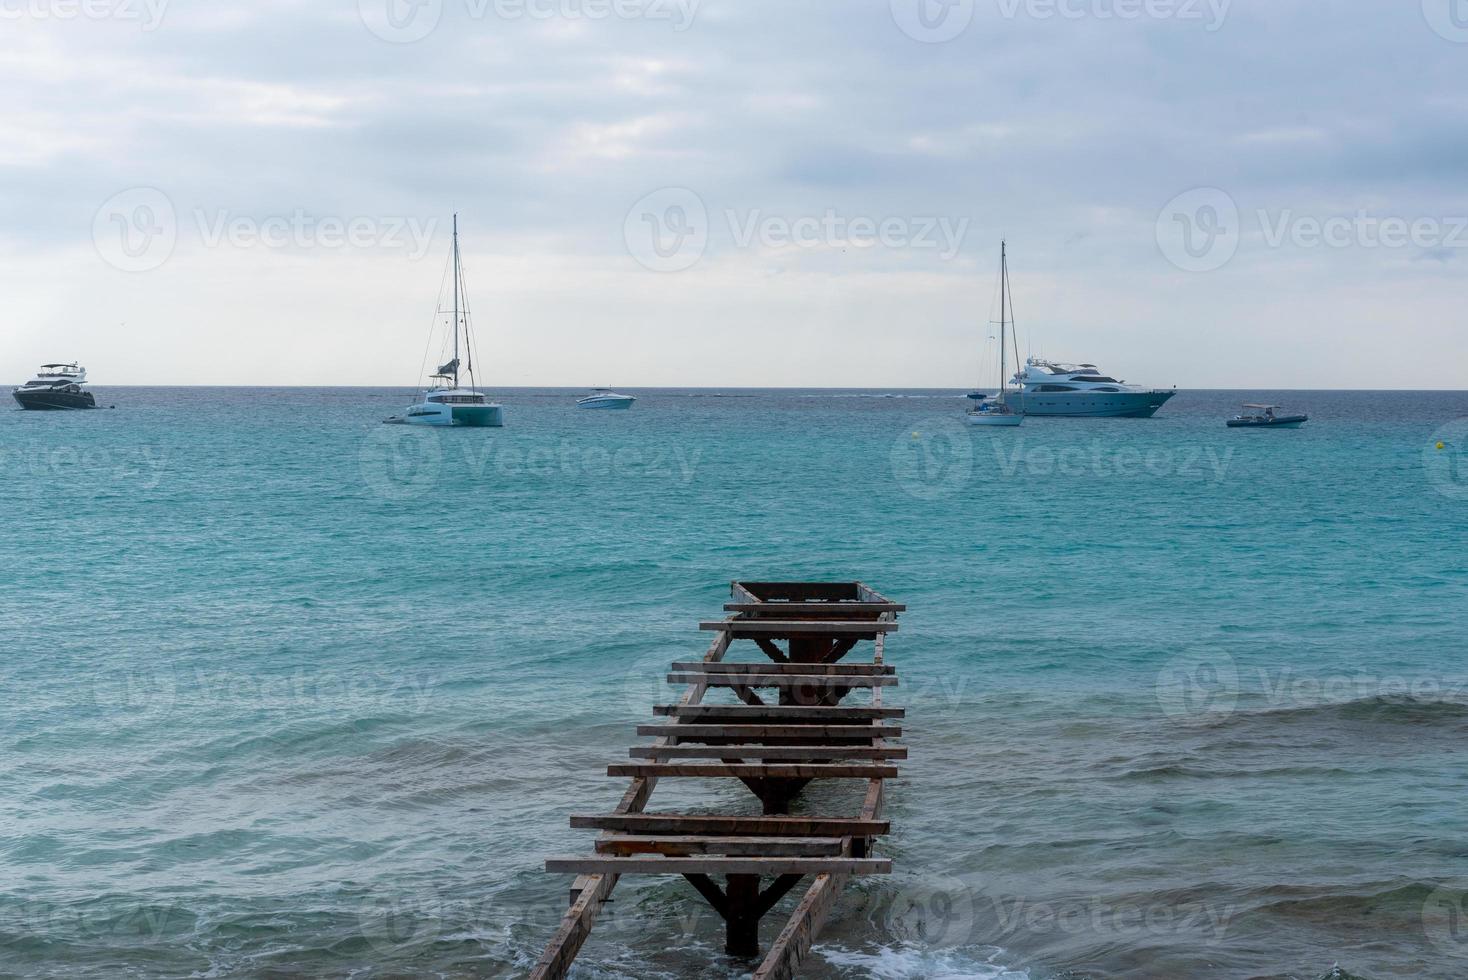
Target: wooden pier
[(773, 742)]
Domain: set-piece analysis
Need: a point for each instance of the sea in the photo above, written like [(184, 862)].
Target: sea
[(286, 692)]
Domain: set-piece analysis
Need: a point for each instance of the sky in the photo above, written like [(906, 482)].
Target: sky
[(1202, 193)]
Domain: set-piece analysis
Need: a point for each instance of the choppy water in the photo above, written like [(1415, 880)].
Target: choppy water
[(288, 692)]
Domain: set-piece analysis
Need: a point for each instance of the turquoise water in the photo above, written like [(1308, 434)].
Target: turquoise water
[(288, 692)]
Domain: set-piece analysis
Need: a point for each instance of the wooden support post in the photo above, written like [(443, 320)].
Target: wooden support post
[(741, 921)]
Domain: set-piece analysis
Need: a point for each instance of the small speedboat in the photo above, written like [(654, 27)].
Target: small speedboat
[(56, 387), (1265, 417), (602, 398)]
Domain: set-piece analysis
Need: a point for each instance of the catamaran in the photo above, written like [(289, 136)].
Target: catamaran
[(445, 403), (997, 410)]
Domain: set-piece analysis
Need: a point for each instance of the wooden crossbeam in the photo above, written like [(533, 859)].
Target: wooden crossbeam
[(791, 712), (726, 667), (772, 731), (792, 627), (708, 824), (815, 608), (686, 845), (765, 752), (724, 770), (646, 865), (782, 680)]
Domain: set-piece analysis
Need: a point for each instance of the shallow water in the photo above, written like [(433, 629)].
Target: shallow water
[(288, 691)]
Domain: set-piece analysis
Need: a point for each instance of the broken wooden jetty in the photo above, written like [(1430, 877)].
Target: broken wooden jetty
[(773, 747)]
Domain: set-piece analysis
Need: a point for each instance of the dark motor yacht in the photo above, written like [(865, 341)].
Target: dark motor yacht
[(56, 386)]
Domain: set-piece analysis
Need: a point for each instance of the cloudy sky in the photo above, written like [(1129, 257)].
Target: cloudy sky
[(736, 192)]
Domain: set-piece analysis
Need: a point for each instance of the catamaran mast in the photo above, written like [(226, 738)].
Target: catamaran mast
[(456, 300), (1003, 288)]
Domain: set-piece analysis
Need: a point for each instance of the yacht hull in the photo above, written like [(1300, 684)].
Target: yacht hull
[(995, 419), (55, 401), (1281, 422), (607, 405), (1097, 405)]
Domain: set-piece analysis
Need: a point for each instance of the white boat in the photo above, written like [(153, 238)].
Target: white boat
[(997, 411), (445, 402), (602, 398), (1082, 391)]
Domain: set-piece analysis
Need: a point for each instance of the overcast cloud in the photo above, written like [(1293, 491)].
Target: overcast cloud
[(736, 192)]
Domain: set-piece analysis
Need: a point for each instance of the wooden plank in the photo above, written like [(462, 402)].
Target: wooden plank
[(772, 731), (707, 824), (772, 712), (799, 591), (766, 752), (794, 942), (791, 627), (647, 865), (820, 608), (685, 845), (730, 667), (781, 680), (574, 928), (723, 770)]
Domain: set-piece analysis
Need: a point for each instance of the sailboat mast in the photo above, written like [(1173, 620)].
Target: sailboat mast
[(456, 300), (1003, 288)]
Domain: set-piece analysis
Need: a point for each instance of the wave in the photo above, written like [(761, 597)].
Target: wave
[(904, 961), (1382, 709)]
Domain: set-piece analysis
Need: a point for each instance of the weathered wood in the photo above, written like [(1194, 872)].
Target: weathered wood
[(684, 846), (772, 731), (792, 627), (710, 891), (715, 865), (741, 896), (818, 608), (708, 824), (574, 928), (794, 942), (798, 591), (783, 680), (724, 751), (833, 770), (731, 667), (798, 712)]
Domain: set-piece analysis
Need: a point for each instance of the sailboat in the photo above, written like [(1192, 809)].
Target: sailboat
[(997, 410), (445, 403)]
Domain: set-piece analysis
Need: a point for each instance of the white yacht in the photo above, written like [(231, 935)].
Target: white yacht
[(1082, 391), (446, 403), (602, 398), (56, 387)]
